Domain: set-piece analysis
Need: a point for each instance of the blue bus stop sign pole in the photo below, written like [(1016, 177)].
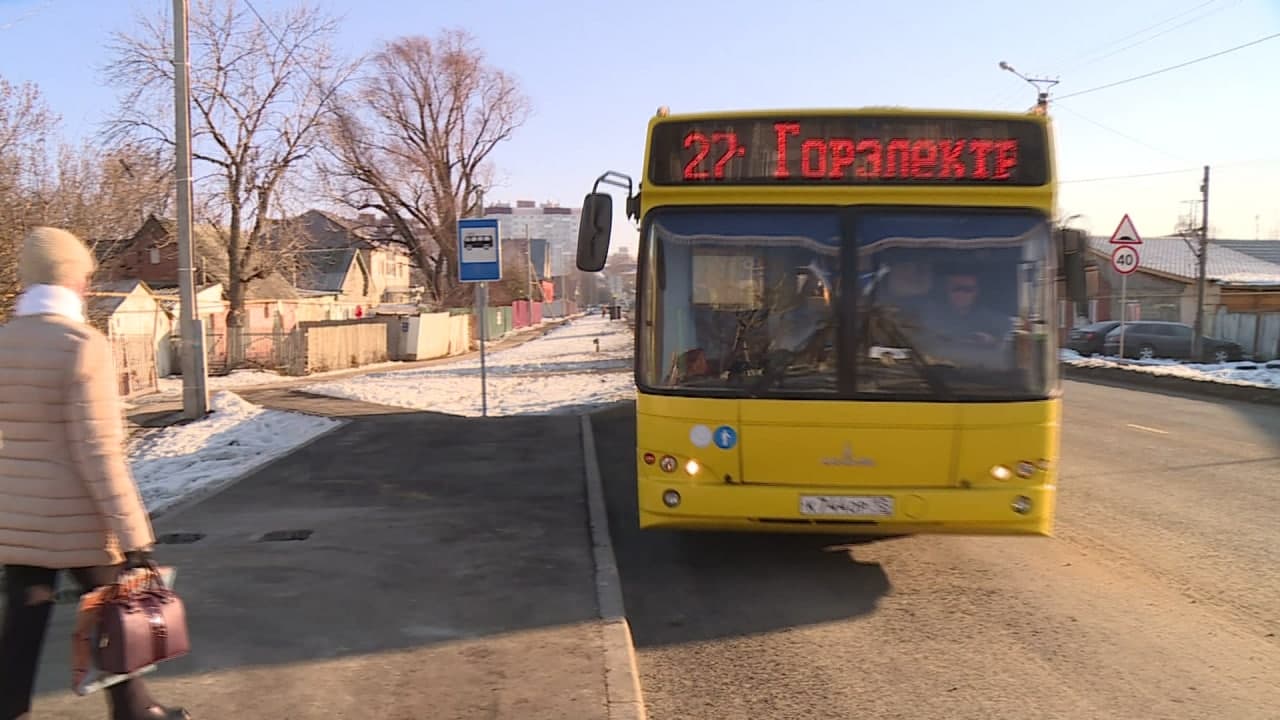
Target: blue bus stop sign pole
[(480, 262)]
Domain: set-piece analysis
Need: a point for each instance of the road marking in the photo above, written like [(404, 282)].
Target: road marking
[(1149, 429)]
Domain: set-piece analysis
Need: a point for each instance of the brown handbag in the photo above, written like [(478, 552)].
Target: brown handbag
[(140, 624)]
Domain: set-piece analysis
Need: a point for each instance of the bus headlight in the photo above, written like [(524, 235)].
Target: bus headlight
[(668, 464), (671, 498), (1026, 469), (1002, 473), (692, 467)]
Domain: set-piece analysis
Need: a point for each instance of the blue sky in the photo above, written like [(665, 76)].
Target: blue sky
[(596, 71)]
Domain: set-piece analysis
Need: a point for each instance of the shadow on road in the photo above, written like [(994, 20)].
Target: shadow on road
[(684, 587), (395, 532)]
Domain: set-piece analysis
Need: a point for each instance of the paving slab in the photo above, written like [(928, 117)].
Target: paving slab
[(446, 572)]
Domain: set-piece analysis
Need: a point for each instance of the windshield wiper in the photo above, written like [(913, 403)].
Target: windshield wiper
[(900, 338)]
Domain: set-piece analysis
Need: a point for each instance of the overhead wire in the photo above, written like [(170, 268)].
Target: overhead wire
[(1198, 169), (1129, 176), (1160, 34), (30, 13), (1119, 133), (1007, 95), (1080, 60), (1170, 68)]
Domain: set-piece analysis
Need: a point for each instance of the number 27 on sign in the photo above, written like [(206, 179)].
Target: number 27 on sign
[(1124, 259)]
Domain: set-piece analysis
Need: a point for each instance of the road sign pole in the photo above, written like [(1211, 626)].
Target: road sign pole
[(1124, 309), (482, 312), (1125, 260)]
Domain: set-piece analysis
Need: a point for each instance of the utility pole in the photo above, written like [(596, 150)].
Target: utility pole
[(195, 391), (1197, 346)]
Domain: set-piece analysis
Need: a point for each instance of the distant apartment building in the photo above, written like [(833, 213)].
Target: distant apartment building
[(555, 226)]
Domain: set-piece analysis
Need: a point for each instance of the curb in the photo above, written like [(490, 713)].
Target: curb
[(1137, 380), (621, 674)]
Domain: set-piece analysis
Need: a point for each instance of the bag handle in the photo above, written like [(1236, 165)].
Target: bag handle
[(129, 583)]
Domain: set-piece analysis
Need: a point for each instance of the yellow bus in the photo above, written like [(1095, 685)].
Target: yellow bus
[(846, 320)]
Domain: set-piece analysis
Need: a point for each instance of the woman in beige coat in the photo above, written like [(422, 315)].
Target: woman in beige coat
[(67, 499)]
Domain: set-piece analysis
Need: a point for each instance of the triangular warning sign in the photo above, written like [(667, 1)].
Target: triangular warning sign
[(1126, 233)]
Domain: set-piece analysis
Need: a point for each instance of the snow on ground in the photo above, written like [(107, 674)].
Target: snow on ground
[(231, 381), (170, 387), (553, 373), (172, 463), (1257, 374)]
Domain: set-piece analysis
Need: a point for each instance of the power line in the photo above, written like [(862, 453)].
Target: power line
[(1171, 67), (1162, 33), (1121, 134), (280, 41), (1001, 97), (9, 25), (1127, 177), (1216, 167), (1148, 28)]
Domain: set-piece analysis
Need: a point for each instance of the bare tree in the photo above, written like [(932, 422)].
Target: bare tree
[(259, 87), (104, 196), (26, 128), (414, 141)]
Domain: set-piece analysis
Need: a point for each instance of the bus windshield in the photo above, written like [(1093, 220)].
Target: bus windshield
[(859, 303)]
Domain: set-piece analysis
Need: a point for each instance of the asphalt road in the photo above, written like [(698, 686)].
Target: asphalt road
[(1158, 598)]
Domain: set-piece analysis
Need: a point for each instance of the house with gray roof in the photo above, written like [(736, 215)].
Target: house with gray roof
[(1267, 250), (1242, 289), (356, 259)]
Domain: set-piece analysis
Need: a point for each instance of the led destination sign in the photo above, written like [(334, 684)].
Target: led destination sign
[(849, 150)]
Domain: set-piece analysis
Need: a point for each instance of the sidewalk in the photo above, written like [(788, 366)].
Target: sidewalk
[(155, 411), (448, 573)]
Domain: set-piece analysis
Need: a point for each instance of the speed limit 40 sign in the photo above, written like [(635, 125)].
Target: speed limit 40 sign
[(1125, 259)]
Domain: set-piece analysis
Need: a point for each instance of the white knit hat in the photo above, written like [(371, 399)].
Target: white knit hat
[(54, 257)]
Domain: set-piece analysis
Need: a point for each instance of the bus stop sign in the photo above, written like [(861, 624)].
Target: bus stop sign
[(479, 250)]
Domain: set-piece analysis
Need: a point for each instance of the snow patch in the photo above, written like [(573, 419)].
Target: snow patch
[(558, 372), (1249, 278), (237, 436), (1249, 374)]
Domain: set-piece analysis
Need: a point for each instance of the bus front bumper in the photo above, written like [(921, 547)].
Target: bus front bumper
[(1013, 510)]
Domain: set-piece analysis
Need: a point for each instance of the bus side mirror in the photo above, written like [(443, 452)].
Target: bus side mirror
[(594, 230), (1072, 246)]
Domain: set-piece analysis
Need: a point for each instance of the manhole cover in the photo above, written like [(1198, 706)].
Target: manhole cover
[(179, 538), (285, 535)]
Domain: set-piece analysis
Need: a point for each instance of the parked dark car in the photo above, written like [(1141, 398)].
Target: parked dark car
[(1149, 339), (1088, 340)]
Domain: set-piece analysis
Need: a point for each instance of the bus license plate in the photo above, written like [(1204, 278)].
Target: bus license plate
[(847, 505)]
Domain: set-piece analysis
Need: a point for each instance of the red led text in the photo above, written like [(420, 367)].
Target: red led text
[(727, 141), (902, 158)]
